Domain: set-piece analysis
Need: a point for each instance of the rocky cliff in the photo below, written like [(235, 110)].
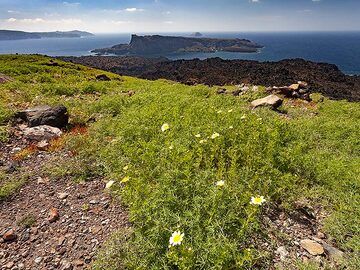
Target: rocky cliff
[(157, 45)]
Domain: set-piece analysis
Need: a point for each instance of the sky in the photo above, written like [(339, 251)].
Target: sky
[(131, 16)]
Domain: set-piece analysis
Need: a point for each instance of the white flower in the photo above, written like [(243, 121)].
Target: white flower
[(257, 200), (220, 111), (243, 117), (198, 135), (165, 127), (202, 141), (171, 147), (229, 111), (231, 127), (109, 184), (215, 135), (176, 238), (220, 183)]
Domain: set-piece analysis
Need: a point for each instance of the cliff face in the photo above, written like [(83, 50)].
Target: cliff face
[(152, 45)]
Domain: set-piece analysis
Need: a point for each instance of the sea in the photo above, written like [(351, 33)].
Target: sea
[(339, 48)]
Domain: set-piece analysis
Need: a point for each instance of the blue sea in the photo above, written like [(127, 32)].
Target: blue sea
[(340, 48)]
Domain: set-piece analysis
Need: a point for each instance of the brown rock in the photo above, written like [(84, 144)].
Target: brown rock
[(43, 145), (78, 263), (41, 133), (294, 86), (272, 101), (53, 215), (9, 235), (312, 247)]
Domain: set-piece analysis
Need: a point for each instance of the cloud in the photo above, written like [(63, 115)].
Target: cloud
[(133, 9), (120, 22), (254, 1), (168, 22), (68, 4)]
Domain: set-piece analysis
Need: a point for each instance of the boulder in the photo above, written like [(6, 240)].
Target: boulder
[(294, 86), (102, 77), (272, 101), (42, 133), (45, 115)]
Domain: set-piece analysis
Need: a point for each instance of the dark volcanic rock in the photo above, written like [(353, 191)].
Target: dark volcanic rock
[(321, 77), (155, 45), (45, 115)]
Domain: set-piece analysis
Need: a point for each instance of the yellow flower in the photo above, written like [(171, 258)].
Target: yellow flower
[(171, 147), (229, 111), (126, 168), (215, 135), (243, 117), (220, 111), (231, 127), (257, 200), (165, 127), (125, 179), (198, 135), (202, 141), (220, 183), (109, 184), (176, 238)]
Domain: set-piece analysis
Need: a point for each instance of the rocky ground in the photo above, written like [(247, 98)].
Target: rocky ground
[(52, 223), (324, 78)]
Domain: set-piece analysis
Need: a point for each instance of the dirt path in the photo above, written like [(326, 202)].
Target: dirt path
[(87, 216)]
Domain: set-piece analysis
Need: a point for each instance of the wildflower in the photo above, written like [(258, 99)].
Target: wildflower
[(109, 184), (126, 168), (243, 117), (125, 179), (171, 147), (165, 127), (202, 141), (229, 111), (198, 135), (257, 200), (220, 111), (220, 183), (215, 135), (176, 238), (231, 127)]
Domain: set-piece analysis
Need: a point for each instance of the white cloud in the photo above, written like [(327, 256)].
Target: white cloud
[(255, 1), (69, 4), (168, 22), (133, 9)]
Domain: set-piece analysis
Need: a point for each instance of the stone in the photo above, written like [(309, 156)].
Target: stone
[(9, 265), (78, 263), (303, 84), (41, 133), (21, 266), (42, 145), (9, 235), (102, 77), (282, 252), (38, 260), (294, 86), (53, 215), (334, 254), (45, 115), (272, 101), (63, 195), (312, 247)]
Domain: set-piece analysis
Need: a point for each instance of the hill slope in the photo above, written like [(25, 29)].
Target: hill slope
[(186, 159)]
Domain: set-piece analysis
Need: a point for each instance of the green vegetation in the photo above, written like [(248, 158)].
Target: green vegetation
[(168, 178)]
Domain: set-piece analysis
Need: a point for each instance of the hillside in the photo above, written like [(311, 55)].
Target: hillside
[(141, 160), (18, 35)]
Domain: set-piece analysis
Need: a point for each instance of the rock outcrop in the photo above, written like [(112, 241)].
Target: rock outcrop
[(272, 101), (156, 45)]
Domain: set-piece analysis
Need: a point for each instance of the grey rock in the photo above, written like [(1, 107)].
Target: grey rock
[(41, 133), (45, 115), (282, 252), (272, 101)]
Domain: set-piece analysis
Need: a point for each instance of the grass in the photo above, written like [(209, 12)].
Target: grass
[(172, 175)]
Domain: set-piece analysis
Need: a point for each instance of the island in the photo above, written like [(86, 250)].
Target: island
[(18, 35), (158, 45), (196, 34)]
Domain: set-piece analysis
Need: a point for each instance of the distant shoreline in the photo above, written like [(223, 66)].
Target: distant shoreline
[(21, 35)]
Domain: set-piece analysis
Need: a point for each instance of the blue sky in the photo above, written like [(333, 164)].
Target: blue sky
[(111, 16)]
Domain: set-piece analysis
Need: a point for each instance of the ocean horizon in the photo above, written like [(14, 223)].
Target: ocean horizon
[(339, 48)]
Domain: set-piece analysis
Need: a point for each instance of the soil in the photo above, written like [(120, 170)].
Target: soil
[(87, 214), (324, 78)]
